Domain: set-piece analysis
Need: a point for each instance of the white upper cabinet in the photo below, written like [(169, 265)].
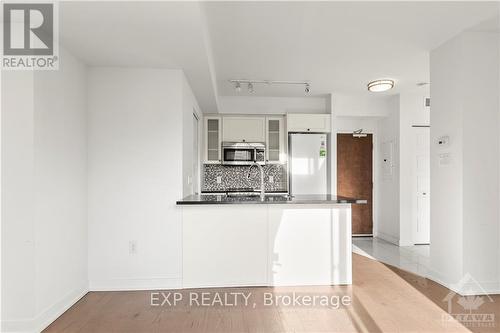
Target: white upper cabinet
[(275, 140), (314, 123), (212, 138), (244, 129)]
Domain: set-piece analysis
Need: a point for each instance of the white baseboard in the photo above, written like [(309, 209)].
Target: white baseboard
[(47, 316), (468, 289), (388, 238), (487, 288), (405, 242), (136, 284)]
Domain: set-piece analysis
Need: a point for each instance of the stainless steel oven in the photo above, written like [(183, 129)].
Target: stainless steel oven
[(243, 153)]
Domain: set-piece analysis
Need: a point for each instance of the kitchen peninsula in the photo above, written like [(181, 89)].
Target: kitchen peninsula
[(281, 240)]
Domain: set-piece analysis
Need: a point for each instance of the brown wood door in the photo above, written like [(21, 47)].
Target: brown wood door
[(354, 178)]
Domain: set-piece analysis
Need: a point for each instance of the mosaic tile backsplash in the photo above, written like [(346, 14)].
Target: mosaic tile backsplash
[(235, 177)]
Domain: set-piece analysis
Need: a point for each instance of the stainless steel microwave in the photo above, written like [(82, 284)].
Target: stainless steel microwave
[(243, 153)]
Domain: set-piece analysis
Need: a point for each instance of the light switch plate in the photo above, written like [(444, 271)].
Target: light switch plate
[(219, 180), (271, 179)]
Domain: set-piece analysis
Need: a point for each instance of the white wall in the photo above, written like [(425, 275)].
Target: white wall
[(189, 107), (61, 183), (272, 105), (465, 192), (56, 235), (18, 236), (361, 105), (446, 182), (135, 163), (388, 227), (44, 163), (481, 169)]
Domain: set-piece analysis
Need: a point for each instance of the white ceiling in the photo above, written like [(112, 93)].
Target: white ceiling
[(143, 34), (338, 46)]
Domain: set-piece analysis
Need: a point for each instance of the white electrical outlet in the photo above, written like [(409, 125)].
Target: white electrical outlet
[(219, 180), (132, 247), (271, 179)]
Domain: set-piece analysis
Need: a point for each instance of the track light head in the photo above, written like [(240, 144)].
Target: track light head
[(237, 87), (308, 88), (250, 88)]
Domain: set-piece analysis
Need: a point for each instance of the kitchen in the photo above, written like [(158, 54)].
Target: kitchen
[(180, 155), (268, 216)]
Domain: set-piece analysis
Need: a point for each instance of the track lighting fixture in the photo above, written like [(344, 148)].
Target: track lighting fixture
[(250, 83)]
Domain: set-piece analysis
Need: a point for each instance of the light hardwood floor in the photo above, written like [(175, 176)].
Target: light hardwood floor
[(384, 299)]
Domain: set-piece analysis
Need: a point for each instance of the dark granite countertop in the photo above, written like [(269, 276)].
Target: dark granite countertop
[(270, 199), (215, 192)]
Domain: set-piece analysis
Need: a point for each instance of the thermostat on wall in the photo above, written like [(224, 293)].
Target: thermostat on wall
[(443, 141)]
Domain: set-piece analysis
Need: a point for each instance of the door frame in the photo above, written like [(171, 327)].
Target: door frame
[(375, 178), (196, 181)]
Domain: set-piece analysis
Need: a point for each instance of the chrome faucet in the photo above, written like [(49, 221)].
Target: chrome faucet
[(261, 170)]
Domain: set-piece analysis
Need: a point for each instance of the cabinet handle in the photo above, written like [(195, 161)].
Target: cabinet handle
[(308, 129)]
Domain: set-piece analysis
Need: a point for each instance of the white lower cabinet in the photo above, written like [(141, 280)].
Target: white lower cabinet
[(224, 246), (266, 245), (300, 253)]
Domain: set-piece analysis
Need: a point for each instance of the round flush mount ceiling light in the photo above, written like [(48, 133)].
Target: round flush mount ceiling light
[(380, 85)]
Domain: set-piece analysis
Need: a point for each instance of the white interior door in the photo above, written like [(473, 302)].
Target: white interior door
[(422, 186)]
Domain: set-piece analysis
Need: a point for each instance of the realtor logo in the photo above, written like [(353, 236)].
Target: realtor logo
[(29, 36), (469, 312)]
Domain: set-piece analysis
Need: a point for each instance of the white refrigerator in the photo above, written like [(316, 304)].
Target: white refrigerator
[(308, 163)]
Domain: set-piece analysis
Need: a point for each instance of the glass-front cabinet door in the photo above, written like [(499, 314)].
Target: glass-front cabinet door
[(275, 140), (213, 139)]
